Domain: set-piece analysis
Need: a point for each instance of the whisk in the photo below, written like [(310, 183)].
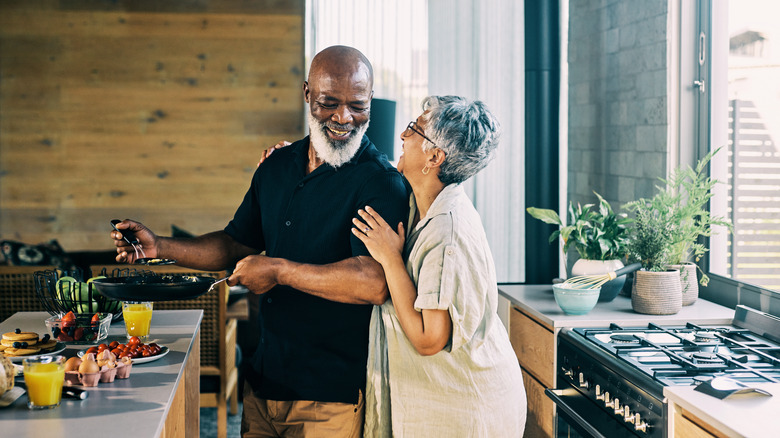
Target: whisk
[(594, 281)]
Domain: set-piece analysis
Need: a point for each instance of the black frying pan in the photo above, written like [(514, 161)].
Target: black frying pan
[(153, 287)]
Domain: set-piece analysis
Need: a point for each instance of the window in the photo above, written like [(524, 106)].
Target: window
[(740, 110), (746, 118)]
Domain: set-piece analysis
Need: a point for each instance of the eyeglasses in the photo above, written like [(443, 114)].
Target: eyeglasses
[(412, 126)]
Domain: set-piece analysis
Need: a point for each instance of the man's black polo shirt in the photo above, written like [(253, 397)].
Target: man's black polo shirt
[(311, 348)]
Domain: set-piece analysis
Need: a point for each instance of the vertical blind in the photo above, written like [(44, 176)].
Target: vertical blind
[(464, 47), (476, 50), (394, 37)]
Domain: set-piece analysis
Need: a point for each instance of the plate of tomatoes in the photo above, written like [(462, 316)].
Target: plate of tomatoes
[(134, 348)]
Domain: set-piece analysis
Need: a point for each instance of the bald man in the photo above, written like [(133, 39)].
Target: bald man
[(318, 282)]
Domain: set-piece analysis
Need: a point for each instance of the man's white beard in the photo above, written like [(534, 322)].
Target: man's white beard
[(335, 153)]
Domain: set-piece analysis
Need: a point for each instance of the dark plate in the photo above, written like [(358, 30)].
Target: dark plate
[(153, 287)]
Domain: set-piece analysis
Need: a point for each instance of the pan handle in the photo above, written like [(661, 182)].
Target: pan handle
[(628, 269)]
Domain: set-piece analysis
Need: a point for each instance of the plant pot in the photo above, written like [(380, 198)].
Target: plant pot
[(689, 282), (610, 289), (657, 293)]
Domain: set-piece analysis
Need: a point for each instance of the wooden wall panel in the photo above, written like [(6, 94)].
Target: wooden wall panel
[(156, 111)]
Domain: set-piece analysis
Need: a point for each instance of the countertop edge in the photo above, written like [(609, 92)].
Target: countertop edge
[(738, 416), (538, 301)]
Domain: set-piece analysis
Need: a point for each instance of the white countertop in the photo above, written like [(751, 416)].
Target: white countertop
[(740, 415), (538, 301), (139, 404)]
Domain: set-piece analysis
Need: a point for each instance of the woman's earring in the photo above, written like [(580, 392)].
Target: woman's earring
[(425, 170)]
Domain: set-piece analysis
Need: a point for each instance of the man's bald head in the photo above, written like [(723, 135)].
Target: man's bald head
[(341, 61), (339, 91)]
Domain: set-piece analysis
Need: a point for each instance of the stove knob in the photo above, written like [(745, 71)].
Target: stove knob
[(599, 395), (616, 406), (568, 373), (583, 382), (627, 414), (607, 402), (639, 424)]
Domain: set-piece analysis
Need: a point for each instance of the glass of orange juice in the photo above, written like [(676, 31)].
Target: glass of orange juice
[(138, 318), (43, 376)]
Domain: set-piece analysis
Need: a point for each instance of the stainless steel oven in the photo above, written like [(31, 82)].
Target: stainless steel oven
[(610, 380)]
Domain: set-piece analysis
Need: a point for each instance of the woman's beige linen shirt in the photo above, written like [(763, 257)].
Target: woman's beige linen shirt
[(472, 388)]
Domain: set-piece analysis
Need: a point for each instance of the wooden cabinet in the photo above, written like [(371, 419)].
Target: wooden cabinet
[(687, 425), (534, 345)]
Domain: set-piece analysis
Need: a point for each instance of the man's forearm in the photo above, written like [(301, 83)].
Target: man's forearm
[(356, 280), (212, 251)]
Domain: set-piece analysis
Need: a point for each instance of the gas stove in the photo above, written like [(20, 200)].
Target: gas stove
[(611, 379)]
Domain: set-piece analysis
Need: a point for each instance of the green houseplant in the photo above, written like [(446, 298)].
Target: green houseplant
[(599, 236), (683, 200), (656, 289)]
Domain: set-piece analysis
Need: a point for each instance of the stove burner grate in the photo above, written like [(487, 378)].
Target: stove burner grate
[(623, 339), (704, 337), (705, 357)]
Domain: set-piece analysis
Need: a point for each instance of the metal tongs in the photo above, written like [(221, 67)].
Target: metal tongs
[(214, 284), (130, 238)]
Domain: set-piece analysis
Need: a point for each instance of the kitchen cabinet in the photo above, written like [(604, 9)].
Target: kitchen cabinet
[(160, 399), (534, 345), (535, 320)]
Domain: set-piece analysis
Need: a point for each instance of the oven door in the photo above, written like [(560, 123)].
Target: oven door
[(579, 417)]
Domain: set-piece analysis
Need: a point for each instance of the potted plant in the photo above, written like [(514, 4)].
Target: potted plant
[(684, 197), (656, 289), (599, 236), (689, 191)]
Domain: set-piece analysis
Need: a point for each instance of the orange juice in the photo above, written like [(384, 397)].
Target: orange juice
[(44, 381), (138, 319)]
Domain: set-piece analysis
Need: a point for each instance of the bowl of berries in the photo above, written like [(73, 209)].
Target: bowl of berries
[(79, 328)]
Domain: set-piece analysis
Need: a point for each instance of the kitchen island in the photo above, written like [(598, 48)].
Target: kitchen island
[(535, 320), (160, 399)]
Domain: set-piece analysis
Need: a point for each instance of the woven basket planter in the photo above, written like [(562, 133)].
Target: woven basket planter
[(689, 282), (657, 293)]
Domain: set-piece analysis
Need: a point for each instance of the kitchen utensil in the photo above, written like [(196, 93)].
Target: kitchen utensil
[(214, 284), (596, 281), (153, 287), (575, 301), (149, 261), (130, 238)]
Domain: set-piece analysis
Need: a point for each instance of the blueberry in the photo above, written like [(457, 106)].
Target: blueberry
[(17, 331), (24, 345), (45, 338), (55, 331), (17, 344)]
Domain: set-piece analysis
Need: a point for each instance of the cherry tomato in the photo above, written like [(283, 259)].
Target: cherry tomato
[(134, 340), (113, 344), (146, 353), (154, 344), (102, 347), (93, 350), (123, 354), (122, 346), (116, 352)]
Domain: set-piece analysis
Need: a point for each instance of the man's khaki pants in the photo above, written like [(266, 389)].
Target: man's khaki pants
[(300, 418)]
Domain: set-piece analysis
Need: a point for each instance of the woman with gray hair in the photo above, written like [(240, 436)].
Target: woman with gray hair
[(440, 362)]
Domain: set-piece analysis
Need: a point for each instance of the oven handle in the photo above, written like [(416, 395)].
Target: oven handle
[(555, 395)]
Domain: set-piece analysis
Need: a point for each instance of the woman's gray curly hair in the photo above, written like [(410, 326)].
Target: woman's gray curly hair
[(465, 130)]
